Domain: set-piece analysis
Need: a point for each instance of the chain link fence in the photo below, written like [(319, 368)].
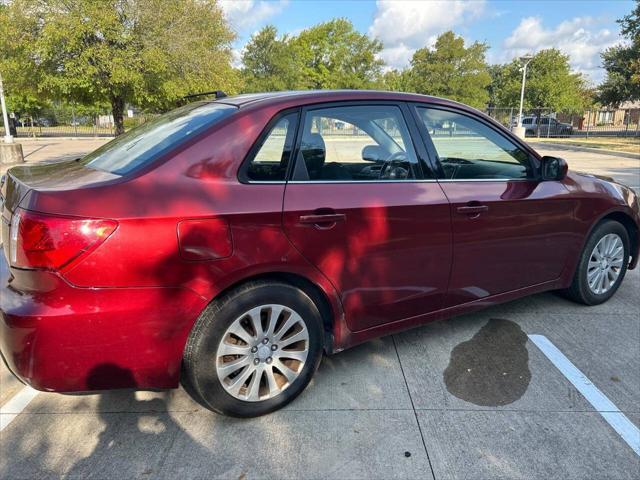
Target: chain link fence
[(549, 123)]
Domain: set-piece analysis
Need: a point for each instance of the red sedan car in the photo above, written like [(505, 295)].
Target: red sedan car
[(228, 243)]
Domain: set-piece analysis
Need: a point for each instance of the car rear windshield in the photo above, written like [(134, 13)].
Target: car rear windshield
[(143, 144)]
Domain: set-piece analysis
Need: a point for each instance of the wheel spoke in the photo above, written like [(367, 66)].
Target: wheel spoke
[(595, 281), (238, 381), (300, 355), (286, 371), (256, 322), (253, 389), (616, 263), (228, 368), (238, 330), (271, 381), (291, 321), (274, 314), (603, 277), (231, 349), (301, 335)]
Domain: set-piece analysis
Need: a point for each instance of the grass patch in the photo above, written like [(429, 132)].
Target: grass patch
[(618, 144)]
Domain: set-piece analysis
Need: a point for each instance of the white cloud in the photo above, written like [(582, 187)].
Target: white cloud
[(244, 14), (405, 26), (580, 38)]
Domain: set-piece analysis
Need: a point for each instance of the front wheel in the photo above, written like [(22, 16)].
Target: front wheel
[(602, 266), (254, 350)]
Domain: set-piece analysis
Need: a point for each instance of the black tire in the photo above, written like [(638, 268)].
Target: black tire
[(579, 290), (200, 376)]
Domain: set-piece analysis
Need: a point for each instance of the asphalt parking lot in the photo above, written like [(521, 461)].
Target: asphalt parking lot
[(472, 397)]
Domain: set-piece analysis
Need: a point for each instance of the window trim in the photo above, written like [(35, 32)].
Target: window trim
[(435, 158), (406, 115), (257, 145)]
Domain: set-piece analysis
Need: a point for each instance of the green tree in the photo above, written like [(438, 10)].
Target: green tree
[(334, 55), (270, 62), (395, 81), (145, 52), (622, 64), (452, 70), (550, 83)]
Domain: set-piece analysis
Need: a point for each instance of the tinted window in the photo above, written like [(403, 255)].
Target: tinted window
[(147, 142), (271, 160), (468, 149), (356, 143)]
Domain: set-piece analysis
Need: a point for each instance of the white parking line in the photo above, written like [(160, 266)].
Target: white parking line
[(14, 407), (605, 407)]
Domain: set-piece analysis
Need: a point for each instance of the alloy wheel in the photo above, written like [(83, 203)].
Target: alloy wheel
[(605, 264), (262, 352)]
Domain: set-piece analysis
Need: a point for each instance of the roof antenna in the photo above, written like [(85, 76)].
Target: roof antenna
[(217, 93)]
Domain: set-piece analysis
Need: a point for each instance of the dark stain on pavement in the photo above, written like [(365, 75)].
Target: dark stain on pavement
[(491, 369)]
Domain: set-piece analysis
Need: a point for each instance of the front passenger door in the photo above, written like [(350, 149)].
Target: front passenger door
[(510, 229)]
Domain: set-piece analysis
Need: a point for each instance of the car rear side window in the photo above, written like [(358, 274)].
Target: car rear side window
[(147, 142), (269, 163), (470, 150)]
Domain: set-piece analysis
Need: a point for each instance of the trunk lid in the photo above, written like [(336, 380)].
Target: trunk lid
[(24, 179)]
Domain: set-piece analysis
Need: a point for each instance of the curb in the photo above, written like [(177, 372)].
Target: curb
[(48, 139), (564, 146)]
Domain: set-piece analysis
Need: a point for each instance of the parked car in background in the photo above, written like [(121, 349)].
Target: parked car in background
[(228, 243), (546, 127)]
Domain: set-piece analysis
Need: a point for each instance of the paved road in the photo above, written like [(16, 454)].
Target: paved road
[(470, 397)]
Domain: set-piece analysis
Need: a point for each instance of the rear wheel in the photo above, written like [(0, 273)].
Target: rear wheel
[(254, 350), (602, 266)]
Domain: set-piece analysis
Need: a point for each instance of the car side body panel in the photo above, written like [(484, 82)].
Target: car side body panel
[(57, 328)]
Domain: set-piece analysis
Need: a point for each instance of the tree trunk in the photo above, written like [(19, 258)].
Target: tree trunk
[(117, 110)]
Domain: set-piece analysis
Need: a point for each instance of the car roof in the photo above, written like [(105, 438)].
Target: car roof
[(312, 96)]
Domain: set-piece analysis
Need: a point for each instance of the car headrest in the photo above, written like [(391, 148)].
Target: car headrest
[(374, 153), (313, 151)]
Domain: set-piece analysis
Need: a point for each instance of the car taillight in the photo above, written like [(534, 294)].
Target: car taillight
[(41, 241)]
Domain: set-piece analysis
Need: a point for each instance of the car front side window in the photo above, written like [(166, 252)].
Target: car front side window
[(356, 143), (470, 150)]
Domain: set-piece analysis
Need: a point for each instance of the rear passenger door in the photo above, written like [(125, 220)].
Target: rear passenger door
[(362, 210)]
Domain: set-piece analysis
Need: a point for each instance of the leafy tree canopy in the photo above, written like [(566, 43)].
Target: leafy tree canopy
[(622, 63), (147, 52), (329, 55), (270, 62), (550, 83), (452, 70), (335, 55)]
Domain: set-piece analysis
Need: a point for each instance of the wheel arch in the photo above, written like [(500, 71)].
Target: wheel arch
[(630, 226), (316, 293), (632, 230)]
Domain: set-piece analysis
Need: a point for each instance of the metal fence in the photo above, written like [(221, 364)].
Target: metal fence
[(547, 123), (69, 121)]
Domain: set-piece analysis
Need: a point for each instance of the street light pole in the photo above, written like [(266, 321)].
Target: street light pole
[(525, 61), (7, 133)]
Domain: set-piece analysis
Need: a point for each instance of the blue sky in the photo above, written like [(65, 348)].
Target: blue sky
[(581, 29)]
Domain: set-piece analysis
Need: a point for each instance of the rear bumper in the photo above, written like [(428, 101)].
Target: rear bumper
[(56, 337)]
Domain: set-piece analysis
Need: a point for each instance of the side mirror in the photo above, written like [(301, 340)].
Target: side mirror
[(554, 168)]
